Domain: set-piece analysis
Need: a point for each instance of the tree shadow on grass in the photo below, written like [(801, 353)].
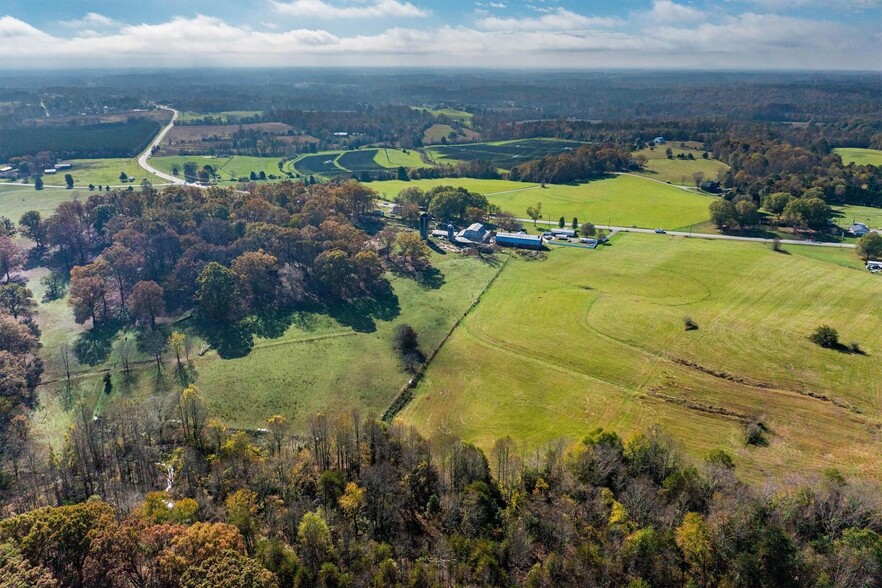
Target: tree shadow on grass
[(272, 324), (434, 247), (230, 340), (361, 315), (93, 347), (431, 278)]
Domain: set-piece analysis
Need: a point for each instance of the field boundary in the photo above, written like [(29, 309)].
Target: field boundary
[(405, 394)]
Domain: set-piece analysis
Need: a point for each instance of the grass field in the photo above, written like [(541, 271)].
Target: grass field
[(679, 171), (16, 200), (622, 200), (226, 116), (595, 338), (393, 158), (102, 172), (859, 156), (319, 364), (451, 113), (845, 215), (229, 169)]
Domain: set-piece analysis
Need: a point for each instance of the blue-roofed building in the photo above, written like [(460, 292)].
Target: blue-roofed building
[(522, 240), (659, 140)]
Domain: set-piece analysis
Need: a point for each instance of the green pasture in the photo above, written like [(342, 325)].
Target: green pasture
[(15, 200), (341, 362), (451, 113), (394, 158), (225, 116), (624, 200), (848, 214), (679, 171), (102, 172), (229, 169), (859, 156), (591, 339)]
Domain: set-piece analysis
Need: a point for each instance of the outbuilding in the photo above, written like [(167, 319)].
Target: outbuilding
[(563, 232), (874, 266), (476, 232), (858, 229), (521, 240)]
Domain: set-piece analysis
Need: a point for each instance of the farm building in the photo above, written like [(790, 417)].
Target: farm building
[(476, 232), (710, 186), (60, 166), (563, 232), (521, 240), (51, 171), (858, 229), (874, 266), (8, 172), (659, 140)]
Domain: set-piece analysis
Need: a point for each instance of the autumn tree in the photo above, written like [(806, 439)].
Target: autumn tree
[(258, 279), (88, 292), (125, 266), (412, 250), (11, 257), (17, 300), (535, 212), (722, 213), (147, 302)]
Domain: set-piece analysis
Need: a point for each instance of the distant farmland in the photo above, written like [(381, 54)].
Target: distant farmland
[(505, 154), (360, 161), (319, 164), (124, 139)]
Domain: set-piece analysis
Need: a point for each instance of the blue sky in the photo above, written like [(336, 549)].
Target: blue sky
[(730, 34)]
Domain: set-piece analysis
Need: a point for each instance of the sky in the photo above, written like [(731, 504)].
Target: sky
[(587, 34)]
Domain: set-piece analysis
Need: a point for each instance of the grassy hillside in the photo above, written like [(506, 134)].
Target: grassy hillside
[(859, 156), (596, 338), (679, 171), (623, 200), (102, 172)]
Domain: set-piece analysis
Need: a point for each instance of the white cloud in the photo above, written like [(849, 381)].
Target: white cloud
[(558, 39), (665, 11), (852, 5), (558, 20), (326, 10)]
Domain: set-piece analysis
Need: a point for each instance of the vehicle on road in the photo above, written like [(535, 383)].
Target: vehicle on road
[(660, 231)]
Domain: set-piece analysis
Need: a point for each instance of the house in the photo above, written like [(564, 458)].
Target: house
[(8, 172), (475, 232), (522, 240), (710, 186), (659, 140), (858, 229)]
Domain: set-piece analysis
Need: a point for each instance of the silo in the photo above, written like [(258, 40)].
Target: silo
[(451, 232), (424, 226)]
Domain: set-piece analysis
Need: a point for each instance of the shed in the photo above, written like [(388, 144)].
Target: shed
[(521, 240), (51, 171), (563, 232), (858, 229), (62, 166)]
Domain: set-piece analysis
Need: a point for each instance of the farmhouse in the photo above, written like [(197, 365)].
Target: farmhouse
[(858, 229), (710, 186), (522, 240)]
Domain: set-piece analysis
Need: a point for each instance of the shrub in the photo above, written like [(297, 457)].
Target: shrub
[(755, 434), (825, 336), (689, 324)]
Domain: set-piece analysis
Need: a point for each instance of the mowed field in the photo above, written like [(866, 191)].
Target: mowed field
[(624, 200), (846, 215), (330, 163), (229, 169), (103, 172), (15, 200), (859, 156), (591, 339), (679, 171)]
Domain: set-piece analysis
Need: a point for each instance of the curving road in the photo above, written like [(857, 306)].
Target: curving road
[(142, 159)]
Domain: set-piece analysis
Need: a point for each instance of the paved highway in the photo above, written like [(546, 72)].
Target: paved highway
[(709, 236), (142, 159)]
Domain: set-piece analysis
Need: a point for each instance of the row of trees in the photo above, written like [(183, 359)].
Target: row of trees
[(584, 163), (356, 502)]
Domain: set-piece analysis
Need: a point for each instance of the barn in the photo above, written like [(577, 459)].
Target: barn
[(521, 240)]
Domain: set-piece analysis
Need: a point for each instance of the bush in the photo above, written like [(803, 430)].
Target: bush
[(407, 344), (825, 336), (689, 324), (755, 434)]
